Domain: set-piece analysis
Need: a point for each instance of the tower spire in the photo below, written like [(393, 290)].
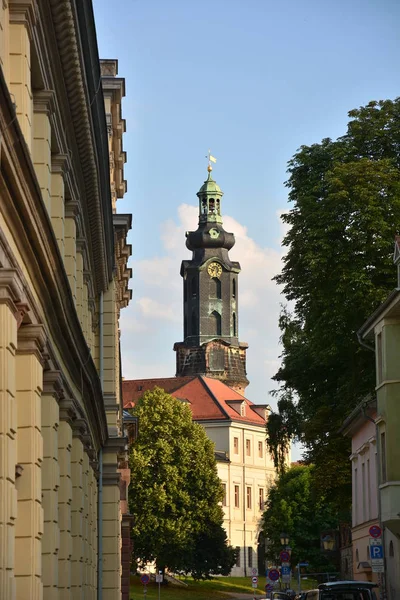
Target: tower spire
[(210, 286)]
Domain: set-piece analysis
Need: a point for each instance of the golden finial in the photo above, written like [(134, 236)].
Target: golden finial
[(209, 168), (210, 160)]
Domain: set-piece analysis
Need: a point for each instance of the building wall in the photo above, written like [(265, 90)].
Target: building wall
[(243, 474), (56, 262)]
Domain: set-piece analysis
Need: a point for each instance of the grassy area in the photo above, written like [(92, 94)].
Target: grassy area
[(214, 589)]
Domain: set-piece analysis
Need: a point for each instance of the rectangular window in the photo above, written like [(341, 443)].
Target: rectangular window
[(261, 498), (236, 445), (383, 457), (260, 450), (237, 496), (224, 498), (250, 557), (248, 448), (248, 497), (238, 556)]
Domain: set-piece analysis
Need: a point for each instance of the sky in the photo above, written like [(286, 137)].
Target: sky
[(252, 80)]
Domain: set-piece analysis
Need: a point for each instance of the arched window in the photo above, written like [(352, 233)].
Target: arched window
[(391, 549), (194, 323), (215, 288), (234, 324), (217, 206), (234, 288), (215, 323), (211, 206), (204, 206), (194, 286)]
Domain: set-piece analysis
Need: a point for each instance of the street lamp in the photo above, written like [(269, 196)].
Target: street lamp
[(284, 539), (328, 542)]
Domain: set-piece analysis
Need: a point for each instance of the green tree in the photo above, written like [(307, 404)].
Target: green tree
[(337, 270), (294, 506), (175, 492)]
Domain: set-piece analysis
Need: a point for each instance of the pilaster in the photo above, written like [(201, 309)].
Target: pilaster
[(29, 524), (5, 40), (59, 167), (22, 20), (77, 507), (52, 394), (67, 415), (70, 229), (43, 106), (10, 295), (79, 282)]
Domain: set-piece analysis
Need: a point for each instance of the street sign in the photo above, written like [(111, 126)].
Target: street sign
[(303, 564), (254, 571), (376, 554), (286, 574), (273, 574), (144, 579), (375, 531), (254, 585), (284, 556), (269, 587), (254, 580), (159, 577)]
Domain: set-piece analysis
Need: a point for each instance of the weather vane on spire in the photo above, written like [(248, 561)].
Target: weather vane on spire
[(211, 159)]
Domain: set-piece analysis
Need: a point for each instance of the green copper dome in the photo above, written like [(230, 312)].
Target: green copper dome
[(210, 187)]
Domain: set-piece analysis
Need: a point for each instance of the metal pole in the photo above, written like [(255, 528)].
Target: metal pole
[(299, 578)]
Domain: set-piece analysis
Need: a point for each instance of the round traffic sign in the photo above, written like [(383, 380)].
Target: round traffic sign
[(273, 574), (144, 579), (375, 531), (254, 580), (284, 556), (269, 587)]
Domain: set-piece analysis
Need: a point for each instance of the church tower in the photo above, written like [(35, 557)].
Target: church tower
[(211, 345)]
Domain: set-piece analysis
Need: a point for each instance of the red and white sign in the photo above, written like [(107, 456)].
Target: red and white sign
[(144, 579), (284, 556), (375, 531)]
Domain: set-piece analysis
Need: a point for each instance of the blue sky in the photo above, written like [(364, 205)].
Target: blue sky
[(252, 80)]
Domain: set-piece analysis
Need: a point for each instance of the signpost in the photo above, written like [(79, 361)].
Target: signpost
[(286, 573), (376, 554), (145, 580), (159, 580), (301, 564)]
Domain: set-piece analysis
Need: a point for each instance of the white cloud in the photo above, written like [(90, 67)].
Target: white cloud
[(152, 323)]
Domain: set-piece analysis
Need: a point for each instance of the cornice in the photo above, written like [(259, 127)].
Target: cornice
[(44, 102), (23, 12), (60, 163), (28, 220), (31, 340), (53, 384)]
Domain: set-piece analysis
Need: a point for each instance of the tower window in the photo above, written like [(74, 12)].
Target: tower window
[(194, 323), (204, 206), (217, 206), (215, 288), (211, 206), (215, 323), (234, 324), (234, 288)]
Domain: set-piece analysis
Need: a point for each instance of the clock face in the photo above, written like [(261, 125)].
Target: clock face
[(214, 233), (214, 269)]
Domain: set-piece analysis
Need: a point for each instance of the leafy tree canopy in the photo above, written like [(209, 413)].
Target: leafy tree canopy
[(337, 270), (175, 492), (294, 506)]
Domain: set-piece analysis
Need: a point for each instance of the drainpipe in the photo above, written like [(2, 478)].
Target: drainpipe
[(100, 486)]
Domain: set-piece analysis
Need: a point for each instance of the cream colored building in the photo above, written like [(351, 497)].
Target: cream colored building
[(237, 428), (63, 281)]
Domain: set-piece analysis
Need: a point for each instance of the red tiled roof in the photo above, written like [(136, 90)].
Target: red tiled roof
[(209, 398)]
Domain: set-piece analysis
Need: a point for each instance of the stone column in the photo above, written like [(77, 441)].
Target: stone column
[(22, 21), (10, 295), (85, 527), (67, 413), (111, 521), (52, 393), (71, 209), (43, 105), (59, 167), (29, 524), (5, 41), (77, 507)]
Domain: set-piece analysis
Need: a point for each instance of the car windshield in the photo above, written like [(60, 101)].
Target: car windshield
[(346, 595)]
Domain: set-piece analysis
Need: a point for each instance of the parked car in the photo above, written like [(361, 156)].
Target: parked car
[(343, 590)]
